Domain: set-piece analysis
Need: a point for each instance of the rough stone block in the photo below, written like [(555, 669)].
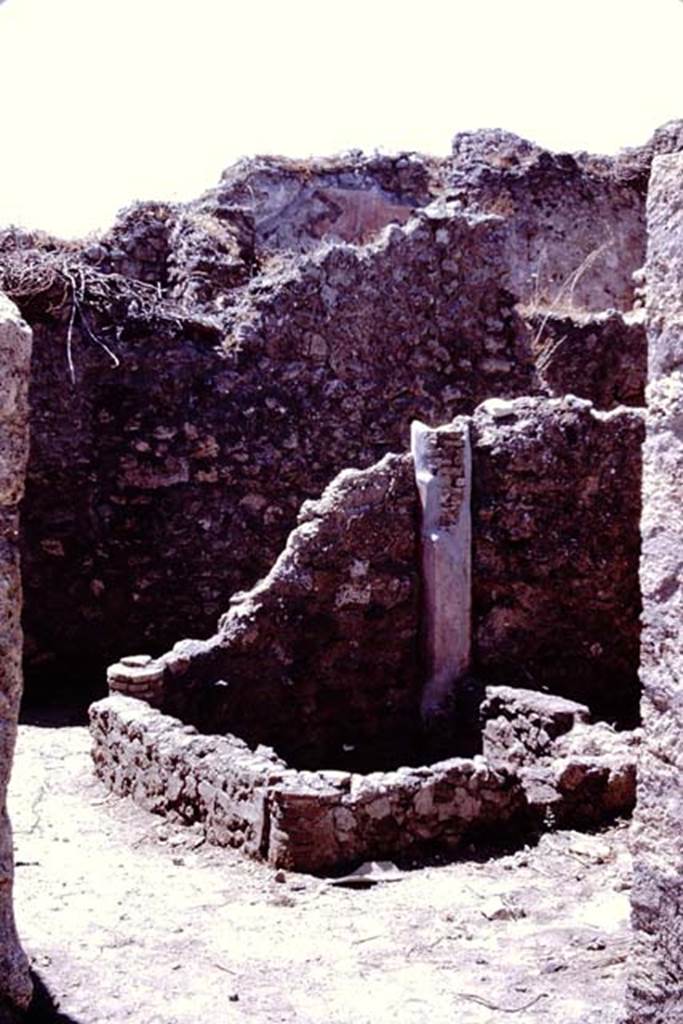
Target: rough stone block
[(519, 725)]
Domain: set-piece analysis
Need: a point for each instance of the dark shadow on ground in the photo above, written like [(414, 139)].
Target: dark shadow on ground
[(52, 716), (57, 698), (44, 1009), (491, 845)]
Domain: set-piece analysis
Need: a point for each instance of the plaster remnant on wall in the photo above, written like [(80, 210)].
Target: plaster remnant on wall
[(575, 224)]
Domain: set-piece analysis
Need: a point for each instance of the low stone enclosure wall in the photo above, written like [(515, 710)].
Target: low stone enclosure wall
[(326, 821), (347, 656)]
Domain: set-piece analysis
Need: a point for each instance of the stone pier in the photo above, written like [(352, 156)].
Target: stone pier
[(15, 355), (443, 472), (656, 977)]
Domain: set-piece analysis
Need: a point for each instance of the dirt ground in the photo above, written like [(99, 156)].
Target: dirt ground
[(129, 919)]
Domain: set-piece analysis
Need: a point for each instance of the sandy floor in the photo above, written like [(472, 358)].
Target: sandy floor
[(126, 918)]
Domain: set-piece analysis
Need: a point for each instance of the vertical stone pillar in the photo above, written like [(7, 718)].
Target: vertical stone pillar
[(15, 355), (443, 472), (655, 991)]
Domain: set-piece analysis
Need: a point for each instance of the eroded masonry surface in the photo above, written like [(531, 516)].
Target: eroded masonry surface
[(656, 992), (341, 660), (382, 419), (15, 354), (228, 358)]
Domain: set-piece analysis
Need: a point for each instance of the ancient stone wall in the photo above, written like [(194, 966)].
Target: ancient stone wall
[(575, 773), (320, 659), (656, 981), (304, 820), (556, 505), (260, 353), (15, 355), (602, 357), (575, 227), (123, 491), (297, 204), (190, 459), (339, 658), (138, 245), (200, 251), (574, 224), (210, 255)]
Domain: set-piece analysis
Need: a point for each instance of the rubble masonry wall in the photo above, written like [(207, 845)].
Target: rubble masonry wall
[(15, 356), (323, 821), (191, 459), (656, 985), (327, 658), (292, 355), (556, 544)]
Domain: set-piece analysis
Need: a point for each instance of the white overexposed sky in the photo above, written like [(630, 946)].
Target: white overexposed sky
[(106, 101)]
